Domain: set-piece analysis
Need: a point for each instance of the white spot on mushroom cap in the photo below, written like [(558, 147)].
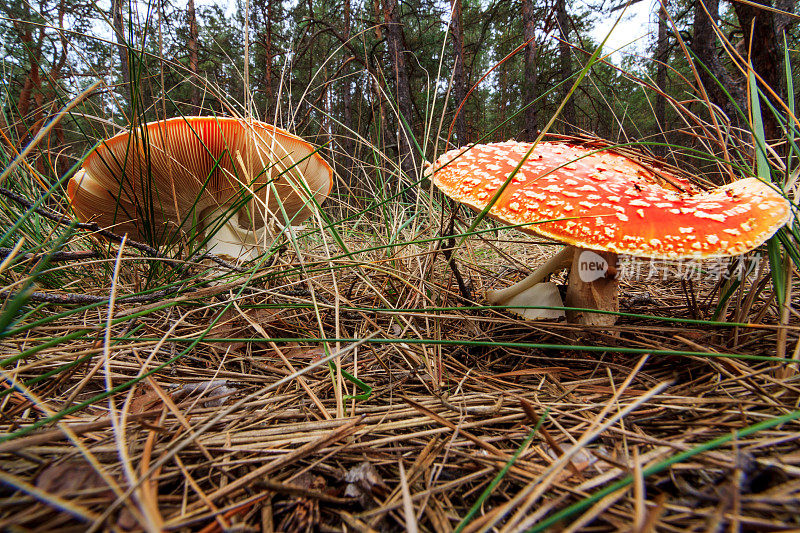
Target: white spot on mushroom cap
[(719, 217)]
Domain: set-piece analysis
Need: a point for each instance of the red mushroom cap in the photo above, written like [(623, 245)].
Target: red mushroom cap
[(604, 201), (176, 169)]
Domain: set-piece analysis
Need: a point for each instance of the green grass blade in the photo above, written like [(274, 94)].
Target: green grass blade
[(500, 475)]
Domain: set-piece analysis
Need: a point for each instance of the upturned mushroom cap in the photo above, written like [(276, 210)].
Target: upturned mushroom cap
[(177, 172), (604, 201), (540, 302)]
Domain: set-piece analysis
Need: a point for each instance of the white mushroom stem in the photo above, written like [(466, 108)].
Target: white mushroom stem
[(560, 260), (231, 241)]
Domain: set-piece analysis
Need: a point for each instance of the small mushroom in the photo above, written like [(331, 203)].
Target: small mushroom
[(232, 181), (602, 204)]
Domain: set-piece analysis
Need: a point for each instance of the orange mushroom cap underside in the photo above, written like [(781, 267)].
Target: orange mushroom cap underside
[(175, 169), (604, 201)]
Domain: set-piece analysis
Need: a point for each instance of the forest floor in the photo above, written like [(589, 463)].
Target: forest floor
[(219, 408)]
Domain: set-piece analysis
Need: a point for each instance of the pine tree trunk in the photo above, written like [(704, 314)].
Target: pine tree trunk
[(459, 79), (662, 52), (529, 34), (266, 39), (347, 141), (782, 22), (194, 94), (762, 49), (28, 87), (704, 46), (397, 51), (119, 30), (565, 51)]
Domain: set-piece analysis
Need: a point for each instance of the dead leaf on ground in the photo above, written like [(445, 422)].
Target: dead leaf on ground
[(304, 353), (583, 458), (71, 476), (365, 484), (302, 514), (217, 391), (74, 477), (148, 400)]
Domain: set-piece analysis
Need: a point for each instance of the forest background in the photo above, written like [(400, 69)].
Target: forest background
[(341, 73)]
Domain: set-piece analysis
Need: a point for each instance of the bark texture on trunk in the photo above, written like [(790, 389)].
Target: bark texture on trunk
[(459, 78), (119, 31), (564, 52), (395, 41), (662, 55), (191, 14), (704, 46), (266, 42), (347, 142), (529, 34), (760, 47)]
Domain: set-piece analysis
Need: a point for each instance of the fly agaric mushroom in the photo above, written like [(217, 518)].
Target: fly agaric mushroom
[(605, 202), (226, 179)]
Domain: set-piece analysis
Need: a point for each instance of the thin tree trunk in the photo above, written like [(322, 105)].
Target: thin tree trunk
[(459, 80), (378, 85), (119, 30), (347, 142), (704, 46), (529, 34), (56, 70), (267, 42), (762, 49), (194, 94), (397, 51), (564, 51), (31, 83), (662, 50), (36, 116), (782, 22), (503, 90)]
